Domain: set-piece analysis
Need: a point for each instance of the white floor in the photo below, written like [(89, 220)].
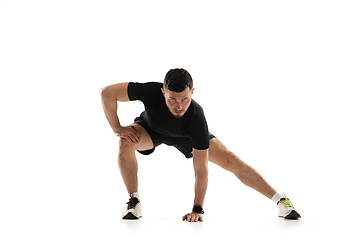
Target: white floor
[(238, 224), (86, 202), (279, 84)]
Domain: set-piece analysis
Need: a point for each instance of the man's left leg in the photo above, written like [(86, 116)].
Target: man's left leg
[(221, 156)]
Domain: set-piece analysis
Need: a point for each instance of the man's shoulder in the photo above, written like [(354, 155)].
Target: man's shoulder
[(198, 110), (147, 84), (197, 129), (197, 115), (143, 91)]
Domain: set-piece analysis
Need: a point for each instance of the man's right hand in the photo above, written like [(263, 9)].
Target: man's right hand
[(129, 133)]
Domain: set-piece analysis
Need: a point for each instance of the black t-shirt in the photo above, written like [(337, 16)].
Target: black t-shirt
[(158, 117)]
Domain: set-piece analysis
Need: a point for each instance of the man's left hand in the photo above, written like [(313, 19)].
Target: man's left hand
[(193, 217)]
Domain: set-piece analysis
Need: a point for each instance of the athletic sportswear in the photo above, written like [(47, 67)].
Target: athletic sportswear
[(189, 131), (133, 210), (287, 210)]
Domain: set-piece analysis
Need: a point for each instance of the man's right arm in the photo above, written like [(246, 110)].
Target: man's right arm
[(110, 95)]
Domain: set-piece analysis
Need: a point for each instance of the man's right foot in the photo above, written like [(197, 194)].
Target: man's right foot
[(133, 210)]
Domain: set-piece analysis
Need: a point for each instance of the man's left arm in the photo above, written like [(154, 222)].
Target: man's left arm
[(200, 162)]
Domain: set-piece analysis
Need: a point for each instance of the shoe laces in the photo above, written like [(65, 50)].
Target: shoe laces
[(286, 202), (132, 203)]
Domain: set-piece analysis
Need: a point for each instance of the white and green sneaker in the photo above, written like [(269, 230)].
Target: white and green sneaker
[(287, 210)]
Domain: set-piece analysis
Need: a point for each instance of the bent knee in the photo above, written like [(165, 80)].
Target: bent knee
[(125, 147)]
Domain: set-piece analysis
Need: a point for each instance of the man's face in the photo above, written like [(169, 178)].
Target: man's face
[(178, 103)]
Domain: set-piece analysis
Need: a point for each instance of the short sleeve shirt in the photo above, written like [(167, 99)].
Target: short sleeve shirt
[(158, 117)]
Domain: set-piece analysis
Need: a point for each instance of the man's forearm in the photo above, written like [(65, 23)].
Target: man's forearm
[(109, 104), (201, 183), (200, 161)]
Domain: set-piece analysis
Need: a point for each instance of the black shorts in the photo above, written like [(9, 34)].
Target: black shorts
[(183, 144)]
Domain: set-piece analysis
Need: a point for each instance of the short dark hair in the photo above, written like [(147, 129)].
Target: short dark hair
[(177, 80)]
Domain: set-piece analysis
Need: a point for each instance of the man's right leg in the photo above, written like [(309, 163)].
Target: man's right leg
[(127, 159), (129, 167)]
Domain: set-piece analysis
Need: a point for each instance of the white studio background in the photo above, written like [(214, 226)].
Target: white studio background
[(278, 80)]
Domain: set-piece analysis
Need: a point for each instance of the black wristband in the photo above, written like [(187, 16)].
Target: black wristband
[(198, 209)]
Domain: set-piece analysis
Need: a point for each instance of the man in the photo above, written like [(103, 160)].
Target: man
[(172, 117)]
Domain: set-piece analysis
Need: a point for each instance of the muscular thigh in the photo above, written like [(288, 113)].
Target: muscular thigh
[(145, 140), (218, 153)]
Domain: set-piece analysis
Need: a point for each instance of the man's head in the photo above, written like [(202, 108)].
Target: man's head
[(178, 90)]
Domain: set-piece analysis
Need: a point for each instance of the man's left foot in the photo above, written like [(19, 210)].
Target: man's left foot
[(287, 210)]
